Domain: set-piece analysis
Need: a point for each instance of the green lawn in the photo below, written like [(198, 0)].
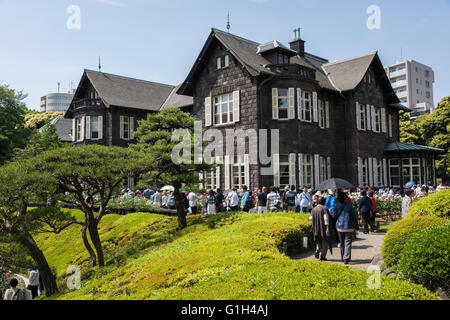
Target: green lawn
[(227, 256)]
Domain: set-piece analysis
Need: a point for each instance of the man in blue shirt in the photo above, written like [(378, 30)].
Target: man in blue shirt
[(290, 199), (245, 199)]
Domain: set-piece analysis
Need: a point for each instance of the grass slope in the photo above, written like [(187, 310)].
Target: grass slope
[(227, 256)]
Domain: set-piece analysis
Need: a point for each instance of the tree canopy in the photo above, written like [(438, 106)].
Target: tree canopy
[(154, 137), (88, 177), (13, 133)]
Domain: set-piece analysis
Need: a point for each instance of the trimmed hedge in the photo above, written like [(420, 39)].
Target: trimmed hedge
[(425, 259), (436, 204), (401, 232)]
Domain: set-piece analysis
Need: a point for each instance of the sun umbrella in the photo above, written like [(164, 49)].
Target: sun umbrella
[(168, 188), (409, 185), (225, 193), (335, 184)]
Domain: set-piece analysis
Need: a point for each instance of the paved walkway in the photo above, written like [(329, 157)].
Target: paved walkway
[(364, 249)]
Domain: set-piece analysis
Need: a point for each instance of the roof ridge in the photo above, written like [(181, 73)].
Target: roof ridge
[(234, 36), (353, 58), (129, 78)]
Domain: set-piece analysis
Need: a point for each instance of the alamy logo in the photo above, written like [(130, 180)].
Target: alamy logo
[(74, 20), (74, 280), (374, 20), (234, 141)]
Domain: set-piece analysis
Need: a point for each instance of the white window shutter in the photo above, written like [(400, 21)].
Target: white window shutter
[(358, 116), (327, 114), (375, 172), (328, 168), (74, 135), (227, 61), (236, 106), (300, 171), (292, 173), (219, 63), (121, 128), (390, 126), (316, 170), (83, 119), (247, 171), (383, 120), (276, 169), (360, 174), (315, 107), (385, 173), (300, 104), (368, 118), (227, 173), (208, 111), (291, 103), (88, 128), (275, 103), (131, 119), (218, 171), (100, 127), (374, 120), (370, 165)]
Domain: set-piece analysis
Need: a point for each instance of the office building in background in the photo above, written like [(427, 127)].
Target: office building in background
[(57, 102), (413, 83)]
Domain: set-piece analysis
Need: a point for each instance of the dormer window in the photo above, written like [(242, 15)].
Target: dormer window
[(283, 59)]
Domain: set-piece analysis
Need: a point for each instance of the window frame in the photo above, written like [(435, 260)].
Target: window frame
[(280, 108), (126, 133), (308, 180), (283, 174), (78, 128), (221, 103), (240, 173), (307, 101)]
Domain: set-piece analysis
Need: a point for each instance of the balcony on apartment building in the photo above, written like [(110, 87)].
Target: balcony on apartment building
[(398, 84), (397, 73), (402, 94)]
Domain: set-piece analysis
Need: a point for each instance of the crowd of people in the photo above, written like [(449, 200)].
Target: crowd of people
[(330, 210)]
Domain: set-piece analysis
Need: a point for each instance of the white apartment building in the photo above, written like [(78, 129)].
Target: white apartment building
[(413, 83), (57, 102)]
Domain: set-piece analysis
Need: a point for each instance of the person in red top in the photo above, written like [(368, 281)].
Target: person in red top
[(374, 208)]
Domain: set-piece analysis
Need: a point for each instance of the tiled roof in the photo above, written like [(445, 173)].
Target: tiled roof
[(128, 92), (347, 74), (63, 128), (176, 100), (399, 146)]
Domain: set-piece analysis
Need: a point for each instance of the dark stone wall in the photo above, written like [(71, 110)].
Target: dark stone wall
[(217, 82)]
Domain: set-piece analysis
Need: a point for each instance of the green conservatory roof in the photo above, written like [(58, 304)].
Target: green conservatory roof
[(405, 147)]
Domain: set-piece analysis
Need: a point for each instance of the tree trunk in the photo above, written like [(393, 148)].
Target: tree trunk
[(88, 246), (182, 222), (95, 238), (47, 276)]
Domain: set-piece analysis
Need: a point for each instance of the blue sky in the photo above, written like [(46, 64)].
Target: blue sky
[(159, 40)]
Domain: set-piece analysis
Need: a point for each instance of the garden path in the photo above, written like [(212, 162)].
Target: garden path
[(364, 249)]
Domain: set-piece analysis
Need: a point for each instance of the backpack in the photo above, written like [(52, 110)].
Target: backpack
[(19, 295)]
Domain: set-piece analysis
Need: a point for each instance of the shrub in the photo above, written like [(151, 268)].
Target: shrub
[(425, 258), (436, 204), (401, 232)]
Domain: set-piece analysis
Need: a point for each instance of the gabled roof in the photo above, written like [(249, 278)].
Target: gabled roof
[(347, 74), (175, 100), (245, 51), (63, 128), (126, 92), (405, 147)]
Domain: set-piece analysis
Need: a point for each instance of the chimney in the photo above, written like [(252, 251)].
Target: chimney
[(298, 44)]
